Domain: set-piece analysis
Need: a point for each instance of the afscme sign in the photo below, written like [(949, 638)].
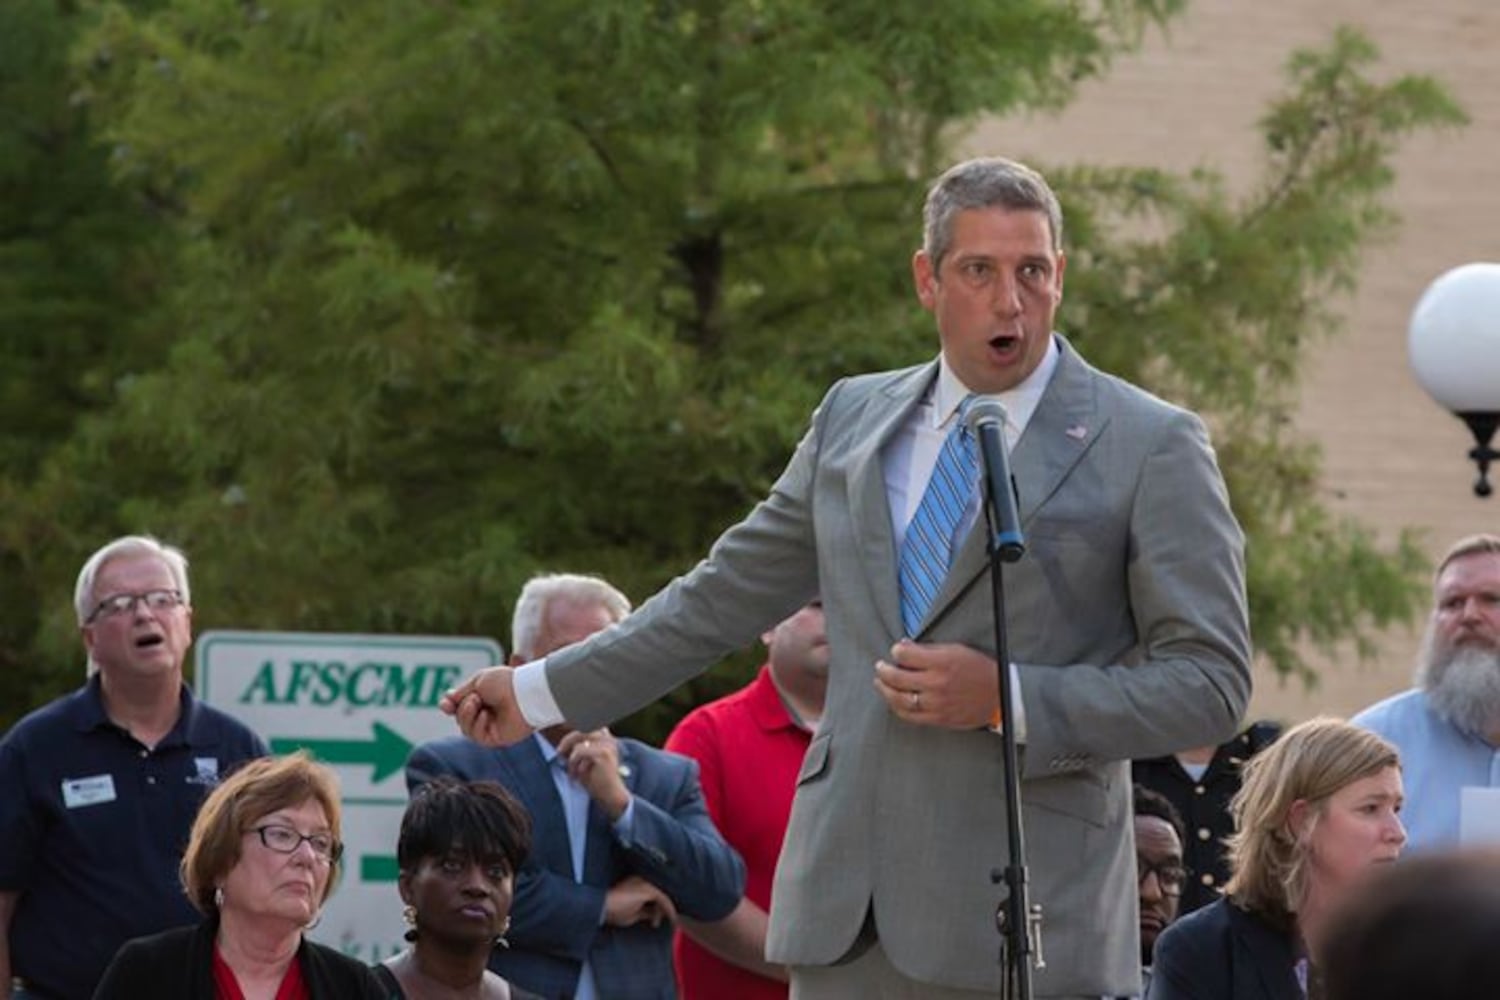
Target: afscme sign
[(358, 703), (369, 682)]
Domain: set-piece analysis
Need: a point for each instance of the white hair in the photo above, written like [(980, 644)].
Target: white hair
[(84, 600), (539, 593)]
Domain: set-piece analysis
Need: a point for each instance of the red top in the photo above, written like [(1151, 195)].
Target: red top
[(226, 987), (749, 751)]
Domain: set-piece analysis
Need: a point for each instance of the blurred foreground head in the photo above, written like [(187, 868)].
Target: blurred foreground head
[(1428, 927)]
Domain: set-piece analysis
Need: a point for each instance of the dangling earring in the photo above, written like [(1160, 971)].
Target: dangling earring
[(409, 914), (500, 941), (219, 897)]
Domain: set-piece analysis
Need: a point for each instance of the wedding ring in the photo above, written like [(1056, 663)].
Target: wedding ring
[(916, 700)]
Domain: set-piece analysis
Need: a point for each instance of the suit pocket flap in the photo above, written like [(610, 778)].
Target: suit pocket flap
[(816, 760), (1082, 796)]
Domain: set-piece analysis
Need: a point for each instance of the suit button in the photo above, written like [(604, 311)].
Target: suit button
[(1207, 879), (1199, 790), (1204, 833)]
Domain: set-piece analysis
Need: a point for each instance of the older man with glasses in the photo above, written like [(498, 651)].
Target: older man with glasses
[(101, 785)]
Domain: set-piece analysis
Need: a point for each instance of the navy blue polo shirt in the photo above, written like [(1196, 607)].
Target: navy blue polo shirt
[(92, 828)]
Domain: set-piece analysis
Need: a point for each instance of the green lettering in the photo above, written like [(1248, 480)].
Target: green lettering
[(264, 685), (303, 672), (330, 679), (443, 678), (397, 688), (352, 687)]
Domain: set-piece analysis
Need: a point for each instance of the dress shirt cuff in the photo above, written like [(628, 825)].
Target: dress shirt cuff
[(625, 825), (534, 695), (1018, 707)]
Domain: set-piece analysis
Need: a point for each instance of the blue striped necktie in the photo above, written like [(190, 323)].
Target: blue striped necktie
[(927, 548)]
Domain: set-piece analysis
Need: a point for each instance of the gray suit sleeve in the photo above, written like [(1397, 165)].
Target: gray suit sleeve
[(1188, 682), (758, 572)]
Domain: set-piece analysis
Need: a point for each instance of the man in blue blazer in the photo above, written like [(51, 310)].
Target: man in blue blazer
[(622, 839)]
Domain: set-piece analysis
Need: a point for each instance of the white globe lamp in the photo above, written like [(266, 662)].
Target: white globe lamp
[(1454, 343)]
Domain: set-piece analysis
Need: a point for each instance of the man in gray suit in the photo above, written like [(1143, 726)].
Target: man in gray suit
[(1127, 628)]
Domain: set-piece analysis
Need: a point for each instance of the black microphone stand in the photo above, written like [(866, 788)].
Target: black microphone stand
[(1019, 923)]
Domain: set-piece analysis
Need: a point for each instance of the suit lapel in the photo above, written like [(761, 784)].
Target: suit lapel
[(1266, 954), (869, 504), (1064, 426), (549, 838)]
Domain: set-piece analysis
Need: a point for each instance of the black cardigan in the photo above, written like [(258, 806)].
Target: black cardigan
[(179, 965)]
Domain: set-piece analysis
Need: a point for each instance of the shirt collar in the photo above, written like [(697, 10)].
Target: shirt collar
[(766, 706), (947, 394), (87, 709), (549, 752), (550, 755), (1020, 401), (88, 713)]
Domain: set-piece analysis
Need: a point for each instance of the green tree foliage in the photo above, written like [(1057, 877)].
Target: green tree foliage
[(76, 265), (464, 291)]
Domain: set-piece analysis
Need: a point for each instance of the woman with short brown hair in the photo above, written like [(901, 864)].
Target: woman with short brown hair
[(261, 860)]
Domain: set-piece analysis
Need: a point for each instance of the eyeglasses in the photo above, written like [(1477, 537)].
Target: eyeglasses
[(124, 604), (285, 840), (1171, 875)]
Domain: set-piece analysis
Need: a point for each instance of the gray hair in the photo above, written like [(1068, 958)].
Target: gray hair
[(539, 593), (986, 182), (1472, 545), (129, 545)]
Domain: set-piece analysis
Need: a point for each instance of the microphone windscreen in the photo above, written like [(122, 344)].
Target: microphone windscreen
[(985, 409)]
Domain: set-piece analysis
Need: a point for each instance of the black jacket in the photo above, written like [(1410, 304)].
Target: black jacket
[(179, 965), (1222, 952)]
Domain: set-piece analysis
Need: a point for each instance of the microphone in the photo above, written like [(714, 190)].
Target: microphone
[(986, 419)]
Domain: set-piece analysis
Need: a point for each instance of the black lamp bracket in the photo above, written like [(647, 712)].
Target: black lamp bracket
[(1483, 425)]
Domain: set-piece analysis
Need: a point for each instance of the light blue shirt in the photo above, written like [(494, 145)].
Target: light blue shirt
[(1438, 761), (575, 804)]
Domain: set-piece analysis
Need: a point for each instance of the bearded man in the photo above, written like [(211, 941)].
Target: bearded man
[(1448, 727)]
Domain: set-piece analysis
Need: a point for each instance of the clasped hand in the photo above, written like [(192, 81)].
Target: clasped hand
[(633, 900), (939, 684)]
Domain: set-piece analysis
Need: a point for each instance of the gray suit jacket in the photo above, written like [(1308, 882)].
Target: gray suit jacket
[(1127, 623)]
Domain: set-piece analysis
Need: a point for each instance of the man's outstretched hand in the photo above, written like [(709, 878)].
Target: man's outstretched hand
[(485, 708)]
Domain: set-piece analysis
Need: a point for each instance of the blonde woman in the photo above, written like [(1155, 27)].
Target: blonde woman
[(1316, 811)]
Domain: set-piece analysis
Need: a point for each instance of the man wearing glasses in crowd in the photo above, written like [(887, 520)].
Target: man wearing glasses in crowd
[(101, 785), (1160, 872)]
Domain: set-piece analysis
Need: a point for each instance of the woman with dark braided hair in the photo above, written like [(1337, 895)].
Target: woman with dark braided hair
[(460, 846)]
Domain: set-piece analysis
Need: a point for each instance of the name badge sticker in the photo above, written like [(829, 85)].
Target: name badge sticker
[(80, 792)]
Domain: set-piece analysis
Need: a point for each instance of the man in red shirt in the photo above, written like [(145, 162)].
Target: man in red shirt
[(749, 747)]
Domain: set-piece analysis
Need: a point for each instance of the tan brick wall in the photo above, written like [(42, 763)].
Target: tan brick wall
[(1391, 456)]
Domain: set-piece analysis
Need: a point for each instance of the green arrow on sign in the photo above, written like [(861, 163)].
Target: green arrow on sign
[(387, 750), (379, 868)]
